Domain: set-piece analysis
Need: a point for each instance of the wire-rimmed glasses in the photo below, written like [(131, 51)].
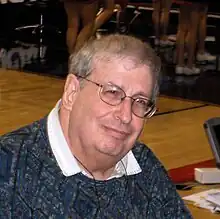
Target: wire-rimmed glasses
[(113, 95)]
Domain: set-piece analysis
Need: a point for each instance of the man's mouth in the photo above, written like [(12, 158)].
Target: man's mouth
[(116, 133)]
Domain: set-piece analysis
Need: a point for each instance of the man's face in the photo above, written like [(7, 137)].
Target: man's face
[(102, 128)]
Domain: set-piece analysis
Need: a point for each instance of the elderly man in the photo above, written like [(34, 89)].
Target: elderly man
[(83, 160)]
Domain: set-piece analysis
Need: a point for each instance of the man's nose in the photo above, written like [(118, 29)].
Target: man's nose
[(124, 110)]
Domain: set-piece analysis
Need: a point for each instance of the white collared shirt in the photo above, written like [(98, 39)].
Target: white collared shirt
[(65, 159)]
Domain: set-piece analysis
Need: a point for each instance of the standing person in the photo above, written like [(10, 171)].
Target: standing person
[(187, 38), (82, 20), (191, 35), (202, 54), (83, 160), (160, 17), (107, 9)]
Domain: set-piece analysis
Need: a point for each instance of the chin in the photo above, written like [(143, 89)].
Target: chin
[(112, 143), (112, 147)]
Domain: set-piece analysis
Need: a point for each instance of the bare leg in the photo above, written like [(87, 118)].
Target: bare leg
[(88, 15), (156, 17), (202, 29), (164, 20), (202, 55), (108, 9), (72, 24), (181, 35), (192, 37)]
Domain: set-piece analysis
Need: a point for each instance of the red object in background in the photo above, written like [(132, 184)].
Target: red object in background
[(186, 173)]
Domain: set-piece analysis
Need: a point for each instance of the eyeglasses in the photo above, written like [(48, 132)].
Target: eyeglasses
[(114, 95)]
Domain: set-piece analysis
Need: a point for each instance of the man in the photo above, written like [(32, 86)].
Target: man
[(83, 160)]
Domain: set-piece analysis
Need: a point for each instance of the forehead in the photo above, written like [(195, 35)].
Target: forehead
[(127, 74)]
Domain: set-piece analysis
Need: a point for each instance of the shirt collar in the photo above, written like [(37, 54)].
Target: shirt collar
[(128, 165)]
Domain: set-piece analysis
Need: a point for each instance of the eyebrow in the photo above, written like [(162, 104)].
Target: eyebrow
[(142, 95), (139, 93)]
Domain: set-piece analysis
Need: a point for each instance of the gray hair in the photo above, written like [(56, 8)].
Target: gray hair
[(115, 46)]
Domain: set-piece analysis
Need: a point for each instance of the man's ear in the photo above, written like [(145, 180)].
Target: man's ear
[(71, 88)]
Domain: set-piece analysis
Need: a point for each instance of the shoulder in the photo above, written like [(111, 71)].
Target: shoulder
[(160, 188), (153, 175), (145, 157), (13, 140), (15, 143), (20, 159), (152, 169)]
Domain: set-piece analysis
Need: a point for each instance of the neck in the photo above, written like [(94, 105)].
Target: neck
[(98, 166), (98, 174)]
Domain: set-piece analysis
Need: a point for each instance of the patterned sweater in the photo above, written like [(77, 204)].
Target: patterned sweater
[(33, 186)]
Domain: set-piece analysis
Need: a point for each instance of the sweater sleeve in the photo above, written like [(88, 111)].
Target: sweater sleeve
[(6, 181), (10, 147)]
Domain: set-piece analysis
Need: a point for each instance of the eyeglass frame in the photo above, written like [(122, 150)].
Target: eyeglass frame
[(148, 114)]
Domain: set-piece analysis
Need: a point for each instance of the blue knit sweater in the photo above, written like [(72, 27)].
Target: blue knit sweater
[(33, 186)]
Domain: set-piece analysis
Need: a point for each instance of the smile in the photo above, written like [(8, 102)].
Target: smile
[(119, 134)]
